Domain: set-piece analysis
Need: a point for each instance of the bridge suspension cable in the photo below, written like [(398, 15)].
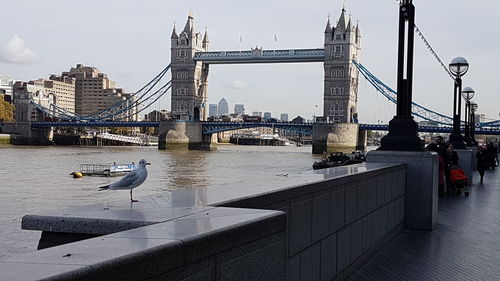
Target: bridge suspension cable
[(429, 47), (390, 94)]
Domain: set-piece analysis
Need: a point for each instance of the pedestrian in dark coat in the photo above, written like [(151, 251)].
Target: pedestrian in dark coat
[(438, 146), (491, 154), (482, 161), (450, 159), (450, 156)]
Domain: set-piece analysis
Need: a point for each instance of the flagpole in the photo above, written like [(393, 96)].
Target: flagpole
[(275, 43), (241, 42)]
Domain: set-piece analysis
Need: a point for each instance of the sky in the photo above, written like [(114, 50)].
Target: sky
[(130, 41)]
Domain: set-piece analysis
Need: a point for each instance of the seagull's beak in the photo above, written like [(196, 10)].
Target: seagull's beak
[(148, 163)]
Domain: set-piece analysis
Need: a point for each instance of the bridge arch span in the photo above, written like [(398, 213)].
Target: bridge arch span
[(218, 127)]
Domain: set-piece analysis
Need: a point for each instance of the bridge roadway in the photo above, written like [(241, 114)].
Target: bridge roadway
[(216, 127)]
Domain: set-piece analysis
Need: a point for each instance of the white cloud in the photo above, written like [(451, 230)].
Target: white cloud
[(16, 52), (238, 84)]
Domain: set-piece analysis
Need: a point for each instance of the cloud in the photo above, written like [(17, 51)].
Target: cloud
[(238, 84), (16, 52)]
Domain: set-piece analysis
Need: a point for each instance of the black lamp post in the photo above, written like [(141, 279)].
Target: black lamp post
[(473, 109), (403, 130), (468, 94), (458, 68)]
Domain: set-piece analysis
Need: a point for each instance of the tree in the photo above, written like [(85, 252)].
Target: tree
[(6, 111)]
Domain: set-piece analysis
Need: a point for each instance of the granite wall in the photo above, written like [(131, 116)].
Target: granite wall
[(334, 226)]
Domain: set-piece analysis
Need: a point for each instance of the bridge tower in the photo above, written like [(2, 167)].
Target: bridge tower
[(189, 78), (342, 46)]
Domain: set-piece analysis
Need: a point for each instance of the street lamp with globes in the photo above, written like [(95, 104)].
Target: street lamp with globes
[(403, 130), (468, 94), (473, 109), (458, 67)]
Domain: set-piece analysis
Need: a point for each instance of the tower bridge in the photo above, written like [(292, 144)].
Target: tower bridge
[(191, 58), (189, 67)]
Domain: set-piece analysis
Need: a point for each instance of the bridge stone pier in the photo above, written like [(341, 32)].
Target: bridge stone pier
[(23, 133), (330, 137), (184, 135)]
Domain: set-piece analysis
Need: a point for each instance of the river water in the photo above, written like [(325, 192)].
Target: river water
[(35, 179)]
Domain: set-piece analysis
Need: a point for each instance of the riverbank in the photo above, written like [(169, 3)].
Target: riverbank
[(5, 139)]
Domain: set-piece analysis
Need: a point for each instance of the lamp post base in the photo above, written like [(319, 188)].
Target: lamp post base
[(457, 140), (403, 136)]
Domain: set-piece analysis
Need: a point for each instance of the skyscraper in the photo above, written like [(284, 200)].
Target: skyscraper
[(267, 116), (212, 110), (284, 117), (239, 108), (223, 107)]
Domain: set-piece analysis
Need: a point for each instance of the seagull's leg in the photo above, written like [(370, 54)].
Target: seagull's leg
[(132, 200)]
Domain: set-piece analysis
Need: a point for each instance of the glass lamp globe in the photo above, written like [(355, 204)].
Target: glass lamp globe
[(473, 106), (459, 66), (468, 93)]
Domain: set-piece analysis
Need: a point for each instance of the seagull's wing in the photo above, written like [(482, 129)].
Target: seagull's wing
[(127, 181)]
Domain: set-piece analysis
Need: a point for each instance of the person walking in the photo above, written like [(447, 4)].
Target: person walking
[(450, 159), (438, 146), (491, 154), (482, 161)]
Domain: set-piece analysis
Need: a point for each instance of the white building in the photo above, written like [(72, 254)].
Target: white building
[(63, 88), (6, 84), (23, 94)]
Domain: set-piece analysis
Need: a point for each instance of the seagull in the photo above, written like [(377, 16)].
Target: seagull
[(132, 180)]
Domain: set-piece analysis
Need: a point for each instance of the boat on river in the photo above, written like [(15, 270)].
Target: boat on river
[(336, 159), (106, 170)]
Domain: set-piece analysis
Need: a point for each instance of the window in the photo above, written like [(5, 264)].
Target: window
[(336, 108), (182, 74), (178, 105), (182, 91), (338, 49), (337, 91), (337, 72)]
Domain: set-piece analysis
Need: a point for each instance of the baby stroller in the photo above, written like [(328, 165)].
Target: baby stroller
[(458, 180)]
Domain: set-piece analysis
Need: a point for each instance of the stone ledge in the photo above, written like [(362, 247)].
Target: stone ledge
[(149, 251), (106, 220)]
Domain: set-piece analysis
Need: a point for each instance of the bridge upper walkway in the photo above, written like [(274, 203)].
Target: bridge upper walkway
[(261, 56)]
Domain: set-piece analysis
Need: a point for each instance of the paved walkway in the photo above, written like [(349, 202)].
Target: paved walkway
[(464, 246)]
